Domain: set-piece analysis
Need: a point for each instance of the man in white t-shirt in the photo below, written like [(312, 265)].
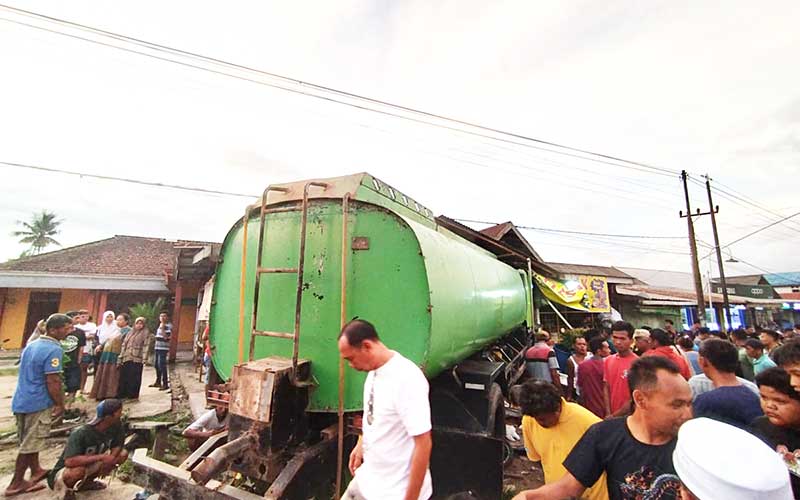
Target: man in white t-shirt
[(89, 329), (210, 423), (390, 461)]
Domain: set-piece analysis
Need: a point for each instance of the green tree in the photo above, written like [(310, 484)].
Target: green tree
[(39, 232), (149, 311)]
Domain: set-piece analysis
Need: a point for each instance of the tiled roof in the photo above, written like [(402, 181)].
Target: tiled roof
[(120, 255)]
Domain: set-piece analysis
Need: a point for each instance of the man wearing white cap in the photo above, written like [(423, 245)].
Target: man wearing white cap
[(715, 460)]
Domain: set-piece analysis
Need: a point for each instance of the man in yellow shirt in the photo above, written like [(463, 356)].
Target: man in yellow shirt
[(550, 428)]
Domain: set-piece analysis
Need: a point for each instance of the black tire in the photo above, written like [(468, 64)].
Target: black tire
[(496, 421)]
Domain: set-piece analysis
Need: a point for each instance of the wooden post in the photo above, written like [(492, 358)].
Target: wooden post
[(101, 307), (176, 322)]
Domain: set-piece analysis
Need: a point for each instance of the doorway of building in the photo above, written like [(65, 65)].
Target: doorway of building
[(40, 306)]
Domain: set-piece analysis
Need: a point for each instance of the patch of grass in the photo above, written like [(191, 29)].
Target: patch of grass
[(9, 372), (125, 471)]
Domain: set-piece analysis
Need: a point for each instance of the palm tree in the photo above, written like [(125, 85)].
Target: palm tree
[(39, 232)]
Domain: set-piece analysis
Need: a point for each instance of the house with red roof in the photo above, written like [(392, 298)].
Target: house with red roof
[(110, 274)]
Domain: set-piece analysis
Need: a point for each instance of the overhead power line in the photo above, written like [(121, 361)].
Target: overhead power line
[(551, 230), (302, 87), (245, 195), (123, 179)]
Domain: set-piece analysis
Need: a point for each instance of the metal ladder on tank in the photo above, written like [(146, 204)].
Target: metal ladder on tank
[(260, 270)]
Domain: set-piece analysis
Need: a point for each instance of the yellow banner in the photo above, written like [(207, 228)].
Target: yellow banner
[(587, 293)]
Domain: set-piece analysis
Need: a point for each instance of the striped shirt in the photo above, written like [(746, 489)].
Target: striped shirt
[(162, 337)]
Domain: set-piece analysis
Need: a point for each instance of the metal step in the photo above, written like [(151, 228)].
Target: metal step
[(280, 335)]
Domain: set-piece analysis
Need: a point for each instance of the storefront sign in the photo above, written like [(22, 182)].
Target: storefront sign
[(752, 291), (587, 293)]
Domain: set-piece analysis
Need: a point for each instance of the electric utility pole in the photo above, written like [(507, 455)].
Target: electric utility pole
[(713, 211), (698, 283)]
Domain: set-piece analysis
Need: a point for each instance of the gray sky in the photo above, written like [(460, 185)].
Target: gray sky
[(706, 86)]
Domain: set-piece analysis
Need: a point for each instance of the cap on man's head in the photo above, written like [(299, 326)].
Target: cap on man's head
[(106, 408), (708, 460), (57, 320), (641, 333)]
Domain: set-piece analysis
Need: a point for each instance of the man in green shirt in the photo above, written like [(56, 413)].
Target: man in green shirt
[(92, 451), (739, 337)]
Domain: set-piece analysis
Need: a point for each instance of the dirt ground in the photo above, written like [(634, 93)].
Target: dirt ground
[(520, 473), (152, 404)]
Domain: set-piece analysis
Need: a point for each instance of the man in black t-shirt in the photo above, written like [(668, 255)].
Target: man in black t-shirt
[(92, 451), (73, 347), (634, 451)]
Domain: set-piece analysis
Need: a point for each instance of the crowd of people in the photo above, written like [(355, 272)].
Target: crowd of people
[(652, 413), (645, 413), (54, 367)]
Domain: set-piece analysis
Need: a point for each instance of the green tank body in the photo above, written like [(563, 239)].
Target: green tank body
[(433, 296)]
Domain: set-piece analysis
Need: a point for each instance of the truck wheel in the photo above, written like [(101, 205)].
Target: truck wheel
[(496, 422)]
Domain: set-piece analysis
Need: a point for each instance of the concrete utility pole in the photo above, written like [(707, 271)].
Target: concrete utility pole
[(698, 283), (713, 211)]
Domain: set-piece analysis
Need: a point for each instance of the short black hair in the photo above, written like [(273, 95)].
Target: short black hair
[(164, 312), (778, 379), (595, 344), (787, 354), (537, 397), (623, 326), (357, 331), (739, 334), (57, 321), (772, 333), (705, 330), (661, 336), (590, 334), (648, 328), (721, 354), (754, 344), (718, 334), (669, 322), (686, 342), (71, 314), (643, 373)]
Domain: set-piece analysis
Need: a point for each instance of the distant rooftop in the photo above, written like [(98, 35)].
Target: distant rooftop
[(614, 274), (119, 255)]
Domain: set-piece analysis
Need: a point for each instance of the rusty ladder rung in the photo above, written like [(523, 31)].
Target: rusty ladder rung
[(276, 270), (281, 335)]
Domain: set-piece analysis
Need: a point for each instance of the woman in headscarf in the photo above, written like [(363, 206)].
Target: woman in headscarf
[(131, 360), (106, 377), (107, 328)]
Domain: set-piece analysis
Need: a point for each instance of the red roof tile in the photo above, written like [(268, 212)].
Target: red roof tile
[(120, 255)]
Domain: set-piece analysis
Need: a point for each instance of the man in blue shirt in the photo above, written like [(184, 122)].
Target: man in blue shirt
[(730, 401), (38, 399)]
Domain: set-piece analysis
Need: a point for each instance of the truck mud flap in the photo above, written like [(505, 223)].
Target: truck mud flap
[(463, 462)]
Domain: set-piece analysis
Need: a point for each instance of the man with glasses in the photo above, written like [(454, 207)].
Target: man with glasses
[(392, 456)]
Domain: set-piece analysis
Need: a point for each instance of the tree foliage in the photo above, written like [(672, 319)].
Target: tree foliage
[(39, 232), (149, 311)]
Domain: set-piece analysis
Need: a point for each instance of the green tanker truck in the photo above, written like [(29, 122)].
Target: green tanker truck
[(311, 256)]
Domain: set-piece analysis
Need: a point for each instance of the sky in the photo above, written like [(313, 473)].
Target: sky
[(711, 87)]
